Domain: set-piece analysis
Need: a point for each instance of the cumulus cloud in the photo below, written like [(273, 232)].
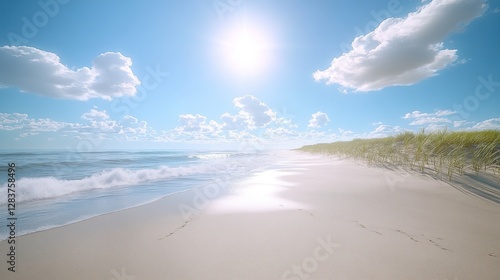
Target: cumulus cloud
[(284, 122), (252, 113), (280, 133), (192, 122), (318, 119), (488, 124), (384, 130), (96, 123), (132, 126), (420, 118), (234, 122), (12, 121), (461, 123), (429, 120), (197, 127), (30, 126), (346, 132), (40, 72), (94, 114), (403, 51), (418, 114), (99, 122)]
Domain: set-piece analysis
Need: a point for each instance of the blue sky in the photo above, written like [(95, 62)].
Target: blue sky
[(247, 74)]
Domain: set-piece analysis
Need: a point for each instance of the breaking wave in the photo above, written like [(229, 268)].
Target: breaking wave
[(211, 156), (28, 189)]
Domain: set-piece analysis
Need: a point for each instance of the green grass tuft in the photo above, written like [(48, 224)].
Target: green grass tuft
[(443, 152)]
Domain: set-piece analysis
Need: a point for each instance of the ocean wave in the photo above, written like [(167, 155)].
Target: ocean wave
[(211, 156), (28, 189)]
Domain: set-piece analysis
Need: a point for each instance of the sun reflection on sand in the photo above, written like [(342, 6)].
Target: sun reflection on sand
[(259, 193)]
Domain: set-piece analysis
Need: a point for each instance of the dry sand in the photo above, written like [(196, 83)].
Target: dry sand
[(310, 218)]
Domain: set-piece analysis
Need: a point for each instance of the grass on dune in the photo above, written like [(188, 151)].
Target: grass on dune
[(446, 153)]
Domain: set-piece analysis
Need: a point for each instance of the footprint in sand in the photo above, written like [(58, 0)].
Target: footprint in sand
[(177, 229), (365, 227), (407, 235), (307, 212)]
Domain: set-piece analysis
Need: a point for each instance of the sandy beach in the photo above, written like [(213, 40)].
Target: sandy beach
[(310, 217)]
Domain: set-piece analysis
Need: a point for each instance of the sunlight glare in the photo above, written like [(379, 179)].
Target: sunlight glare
[(246, 49)]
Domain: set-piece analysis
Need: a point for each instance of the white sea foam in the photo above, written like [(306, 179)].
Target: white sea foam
[(28, 189), (92, 182), (211, 156)]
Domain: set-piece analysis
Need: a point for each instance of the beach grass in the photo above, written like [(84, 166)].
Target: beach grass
[(443, 152)]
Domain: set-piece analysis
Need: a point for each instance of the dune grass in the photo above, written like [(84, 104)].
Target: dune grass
[(443, 152)]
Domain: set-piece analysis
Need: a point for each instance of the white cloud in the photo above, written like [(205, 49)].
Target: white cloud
[(442, 113), (195, 127), (235, 122), (192, 122), (285, 122), (457, 124), (384, 130), (280, 133), (255, 126), (420, 118), (97, 124), (12, 121), (252, 114), (427, 120), (241, 136), (29, 126), (40, 72), (318, 119), (346, 132), (95, 115), (133, 129), (433, 127), (416, 114), (488, 124), (439, 120), (403, 51)]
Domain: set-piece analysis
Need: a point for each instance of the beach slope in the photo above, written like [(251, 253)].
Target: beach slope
[(310, 217)]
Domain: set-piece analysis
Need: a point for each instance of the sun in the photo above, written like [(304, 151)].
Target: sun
[(246, 49)]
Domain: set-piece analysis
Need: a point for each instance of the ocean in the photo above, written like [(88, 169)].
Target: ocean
[(56, 188)]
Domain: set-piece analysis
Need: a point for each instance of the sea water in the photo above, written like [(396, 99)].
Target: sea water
[(56, 188)]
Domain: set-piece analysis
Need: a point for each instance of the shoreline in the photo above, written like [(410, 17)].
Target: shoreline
[(102, 198), (83, 219), (311, 216)]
